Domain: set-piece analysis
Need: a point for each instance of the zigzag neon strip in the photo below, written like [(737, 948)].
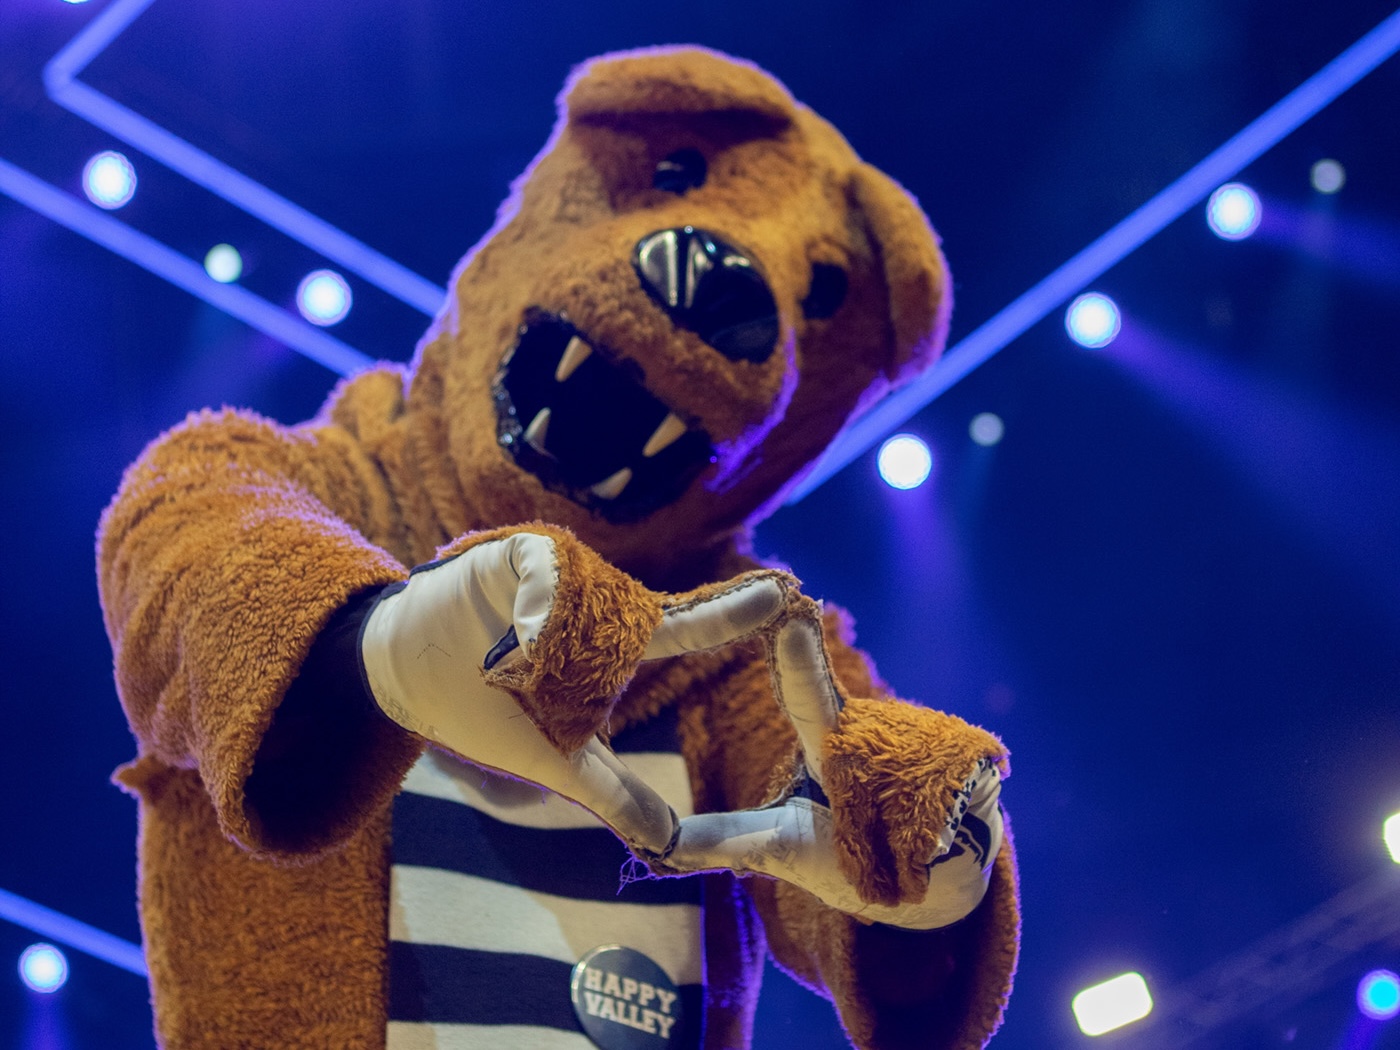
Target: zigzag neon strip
[(233, 186), (163, 261)]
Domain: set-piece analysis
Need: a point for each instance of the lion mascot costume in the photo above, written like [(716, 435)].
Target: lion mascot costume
[(466, 716)]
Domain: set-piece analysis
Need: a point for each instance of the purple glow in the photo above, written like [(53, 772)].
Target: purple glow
[(1315, 464), (1362, 249)]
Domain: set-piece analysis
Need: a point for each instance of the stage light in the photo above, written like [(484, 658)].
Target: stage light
[(1378, 995), (223, 263), (75, 1), (1110, 1005), (986, 428), (1390, 831), (43, 968), (323, 297), (1093, 320), (1328, 176), (905, 462), (1233, 211), (109, 180)]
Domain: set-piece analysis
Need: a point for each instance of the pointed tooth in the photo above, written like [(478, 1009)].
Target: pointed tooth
[(611, 487), (535, 432), (663, 436), (575, 354)]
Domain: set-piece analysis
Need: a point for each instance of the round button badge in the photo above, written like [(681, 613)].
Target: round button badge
[(626, 1002)]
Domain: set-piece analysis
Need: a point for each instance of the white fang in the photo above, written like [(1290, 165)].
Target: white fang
[(611, 487), (575, 354), (663, 436), (535, 432)]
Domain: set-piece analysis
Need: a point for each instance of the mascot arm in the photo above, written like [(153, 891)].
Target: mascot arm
[(892, 783), (220, 562), (527, 621)]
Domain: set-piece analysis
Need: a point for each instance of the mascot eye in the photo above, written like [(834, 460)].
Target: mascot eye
[(681, 171), (827, 291)]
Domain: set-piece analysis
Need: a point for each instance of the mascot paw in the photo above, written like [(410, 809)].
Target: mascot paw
[(892, 815)]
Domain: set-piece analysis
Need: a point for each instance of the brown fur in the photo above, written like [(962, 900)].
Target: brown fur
[(589, 649), (892, 772), (233, 540)]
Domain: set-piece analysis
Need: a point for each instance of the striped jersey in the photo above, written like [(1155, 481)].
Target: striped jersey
[(497, 888)]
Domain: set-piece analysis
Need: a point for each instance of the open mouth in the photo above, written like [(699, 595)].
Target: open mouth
[(581, 421)]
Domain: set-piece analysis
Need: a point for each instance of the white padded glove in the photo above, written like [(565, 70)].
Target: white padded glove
[(425, 649), (794, 839)]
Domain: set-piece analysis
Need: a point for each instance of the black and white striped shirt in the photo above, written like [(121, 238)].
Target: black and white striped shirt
[(498, 888)]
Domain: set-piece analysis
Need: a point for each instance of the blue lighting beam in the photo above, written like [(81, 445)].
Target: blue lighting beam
[(164, 261), (59, 927), (62, 85), (1256, 138)]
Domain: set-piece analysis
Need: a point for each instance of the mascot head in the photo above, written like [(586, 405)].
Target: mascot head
[(690, 291)]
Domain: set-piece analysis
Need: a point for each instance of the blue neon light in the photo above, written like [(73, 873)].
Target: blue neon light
[(43, 968), (1233, 211), (223, 263), (104, 229), (1328, 176), (109, 180), (60, 81), (1031, 306), (59, 927), (1378, 995), (1093, 320), (324, 298)]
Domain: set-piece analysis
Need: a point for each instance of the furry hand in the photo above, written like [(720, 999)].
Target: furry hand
[(892, 815), (511, 652)]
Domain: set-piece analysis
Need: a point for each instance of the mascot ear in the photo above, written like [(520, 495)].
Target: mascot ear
[(905, 248)]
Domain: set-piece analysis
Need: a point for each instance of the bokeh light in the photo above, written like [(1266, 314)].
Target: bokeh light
[(109, 180), (1328, 176), (905, 461), (1378, 995), (1112, 1004), (986, 428), (43, 968), (223, 263), (1390, 832), (1233, 211), (323, 297), (1093, 320)]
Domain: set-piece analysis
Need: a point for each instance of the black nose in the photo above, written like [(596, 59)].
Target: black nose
[(711, 288)]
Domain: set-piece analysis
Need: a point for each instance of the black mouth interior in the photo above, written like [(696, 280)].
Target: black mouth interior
[(600, 419)]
